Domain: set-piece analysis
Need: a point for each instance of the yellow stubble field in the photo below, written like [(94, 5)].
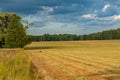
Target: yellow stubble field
[(76, 60)]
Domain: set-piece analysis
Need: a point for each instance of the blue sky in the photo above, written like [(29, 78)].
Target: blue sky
[(66, 16)]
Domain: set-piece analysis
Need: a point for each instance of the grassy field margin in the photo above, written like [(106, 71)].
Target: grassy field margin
[(15, 65)]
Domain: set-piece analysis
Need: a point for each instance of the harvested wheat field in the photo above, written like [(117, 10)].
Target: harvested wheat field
[(76, 60)]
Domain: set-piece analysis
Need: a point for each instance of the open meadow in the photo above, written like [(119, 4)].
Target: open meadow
[(76, 60)]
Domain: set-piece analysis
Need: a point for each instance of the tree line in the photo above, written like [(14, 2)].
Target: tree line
[(104, 35), (12, 32)]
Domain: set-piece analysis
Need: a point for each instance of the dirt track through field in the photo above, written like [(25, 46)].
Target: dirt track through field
[(78, 62)]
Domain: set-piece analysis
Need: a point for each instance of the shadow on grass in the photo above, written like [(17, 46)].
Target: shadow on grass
[(115, 71), (45, 47)]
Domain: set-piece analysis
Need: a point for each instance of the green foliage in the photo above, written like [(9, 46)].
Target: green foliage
[(105, 35), (13, 33), (60, 37)]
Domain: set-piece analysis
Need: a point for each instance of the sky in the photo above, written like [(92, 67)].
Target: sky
[(66, 16)]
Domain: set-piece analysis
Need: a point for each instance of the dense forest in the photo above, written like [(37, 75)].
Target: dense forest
[(104, 35)]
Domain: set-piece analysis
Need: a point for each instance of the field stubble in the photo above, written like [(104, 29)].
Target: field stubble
[(76, 60)]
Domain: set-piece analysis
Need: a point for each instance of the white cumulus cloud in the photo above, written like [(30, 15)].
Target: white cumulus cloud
[(105, 7), (47, 9), (90, 16), (115, 17), (110, 18)]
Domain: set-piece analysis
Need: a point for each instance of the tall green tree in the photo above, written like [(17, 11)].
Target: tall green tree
[(3, 26), (12, 31)]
